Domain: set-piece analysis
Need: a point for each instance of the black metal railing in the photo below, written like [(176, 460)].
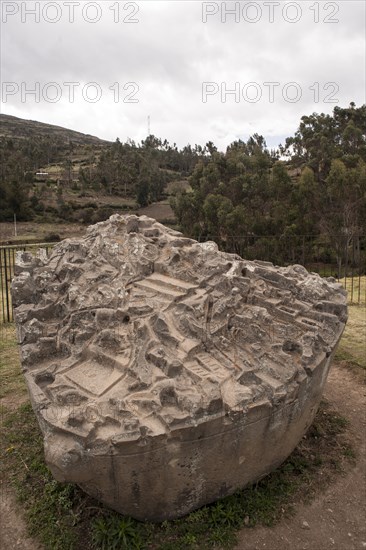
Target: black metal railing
[(339, 256), (7, 263)]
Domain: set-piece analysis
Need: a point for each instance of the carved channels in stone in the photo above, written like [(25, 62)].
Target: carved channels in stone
[(166, 374)]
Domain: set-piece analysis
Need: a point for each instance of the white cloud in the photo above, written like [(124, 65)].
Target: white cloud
[(170, 52)]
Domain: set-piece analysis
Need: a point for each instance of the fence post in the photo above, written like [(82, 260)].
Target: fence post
[(6, 288)]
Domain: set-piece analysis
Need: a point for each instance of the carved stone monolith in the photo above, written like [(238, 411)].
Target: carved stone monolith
[(166, 374)]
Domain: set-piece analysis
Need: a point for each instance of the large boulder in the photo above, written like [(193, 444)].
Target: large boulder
[(166, 374)]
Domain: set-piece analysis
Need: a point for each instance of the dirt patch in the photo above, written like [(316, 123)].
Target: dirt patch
[(38, 232), (160, 211), (336, 518), (13, 530), (28, 232)]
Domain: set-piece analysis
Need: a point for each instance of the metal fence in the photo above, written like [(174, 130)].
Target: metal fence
[(7, 263), (337, 256)]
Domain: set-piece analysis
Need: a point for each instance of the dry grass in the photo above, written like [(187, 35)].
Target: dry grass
[(353, 344), (32, 231), (352, 347), (160, 211), (356, 289), (12, 387)]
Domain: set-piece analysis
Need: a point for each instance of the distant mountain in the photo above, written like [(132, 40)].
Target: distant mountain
[(15, 128), (49, 173)]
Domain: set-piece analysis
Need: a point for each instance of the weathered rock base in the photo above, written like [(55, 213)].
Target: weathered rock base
[(165, 374)]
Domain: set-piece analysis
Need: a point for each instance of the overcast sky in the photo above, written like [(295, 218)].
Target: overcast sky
[(104, 67)]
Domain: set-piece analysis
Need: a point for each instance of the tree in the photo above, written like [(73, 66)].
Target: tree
[(216, 209), (321, 138), (142, 192)]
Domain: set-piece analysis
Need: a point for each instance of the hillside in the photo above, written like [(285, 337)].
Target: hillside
[(29, 147), (12, 127), (51, 174), (308, 187)]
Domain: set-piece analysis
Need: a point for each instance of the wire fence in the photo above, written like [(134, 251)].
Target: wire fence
[(337, 256), (7, 266), (340, 256)]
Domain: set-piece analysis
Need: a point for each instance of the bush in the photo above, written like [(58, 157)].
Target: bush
[(85, 215), (52, 238), (102, 214)]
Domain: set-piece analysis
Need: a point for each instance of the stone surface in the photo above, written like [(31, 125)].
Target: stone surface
[(165, 374)]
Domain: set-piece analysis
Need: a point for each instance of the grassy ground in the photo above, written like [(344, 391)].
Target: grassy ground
[(356, 289), (12, 382), (38, 232), (352, 347), (62, 517)]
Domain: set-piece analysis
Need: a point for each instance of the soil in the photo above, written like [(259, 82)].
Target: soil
[(334, 520), (13, 530), (159, 211), (35, 232)]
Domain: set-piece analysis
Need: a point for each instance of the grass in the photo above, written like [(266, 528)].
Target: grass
[(356, 288), (47, 503), (352, 347), (11, 378), (38, 232), (62, 517)]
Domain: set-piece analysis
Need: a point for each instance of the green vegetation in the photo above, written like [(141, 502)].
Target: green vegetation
[(62, 517), (50, 507), (51, 174), (304, 202), (12, 381), (311, 204)]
